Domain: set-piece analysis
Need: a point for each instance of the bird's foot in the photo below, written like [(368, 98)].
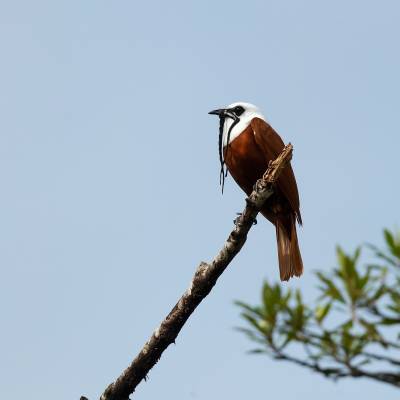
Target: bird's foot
[(237, 219)]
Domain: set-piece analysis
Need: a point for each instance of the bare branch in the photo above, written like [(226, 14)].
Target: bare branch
[(342, 371), (203, 281), (380, 357)]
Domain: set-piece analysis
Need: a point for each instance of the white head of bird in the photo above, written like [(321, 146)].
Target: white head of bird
[(236, 118)]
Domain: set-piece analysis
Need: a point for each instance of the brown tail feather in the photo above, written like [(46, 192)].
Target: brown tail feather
[(290, 262)]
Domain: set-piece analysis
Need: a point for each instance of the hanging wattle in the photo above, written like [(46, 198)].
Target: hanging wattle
[(223, 174)]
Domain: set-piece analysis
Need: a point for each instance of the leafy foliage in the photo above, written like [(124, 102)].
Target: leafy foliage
[(353, 328)]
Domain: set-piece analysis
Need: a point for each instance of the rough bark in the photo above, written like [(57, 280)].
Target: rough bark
[(203, 281)]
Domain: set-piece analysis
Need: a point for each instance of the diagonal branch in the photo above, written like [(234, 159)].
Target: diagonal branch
[(203, 281)]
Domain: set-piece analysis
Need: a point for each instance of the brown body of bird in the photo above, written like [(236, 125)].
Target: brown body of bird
[(247, 145)]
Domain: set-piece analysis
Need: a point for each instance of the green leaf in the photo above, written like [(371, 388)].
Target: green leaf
[(376, 295), (371, 330), (392, 242), (380, 254), (330, 290), (322, 311), (389, 321), (260, 325), (257, 351), (252, 335), (389, 238)]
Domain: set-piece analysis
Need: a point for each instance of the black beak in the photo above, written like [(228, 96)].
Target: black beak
[(220, 112)]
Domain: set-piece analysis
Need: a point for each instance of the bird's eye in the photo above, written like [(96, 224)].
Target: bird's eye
[(238, 110)]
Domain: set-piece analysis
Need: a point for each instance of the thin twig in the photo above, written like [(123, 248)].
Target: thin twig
[(344, 370), (379, 357), (203, 281)]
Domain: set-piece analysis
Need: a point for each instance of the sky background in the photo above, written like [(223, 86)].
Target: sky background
[(110, 192)]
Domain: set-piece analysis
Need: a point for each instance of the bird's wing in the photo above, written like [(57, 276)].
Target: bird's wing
[(271, 145)]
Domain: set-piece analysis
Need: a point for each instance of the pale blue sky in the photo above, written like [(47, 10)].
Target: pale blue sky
[(109, 175)]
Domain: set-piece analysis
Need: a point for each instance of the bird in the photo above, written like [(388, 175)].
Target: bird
[(247, 143)]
